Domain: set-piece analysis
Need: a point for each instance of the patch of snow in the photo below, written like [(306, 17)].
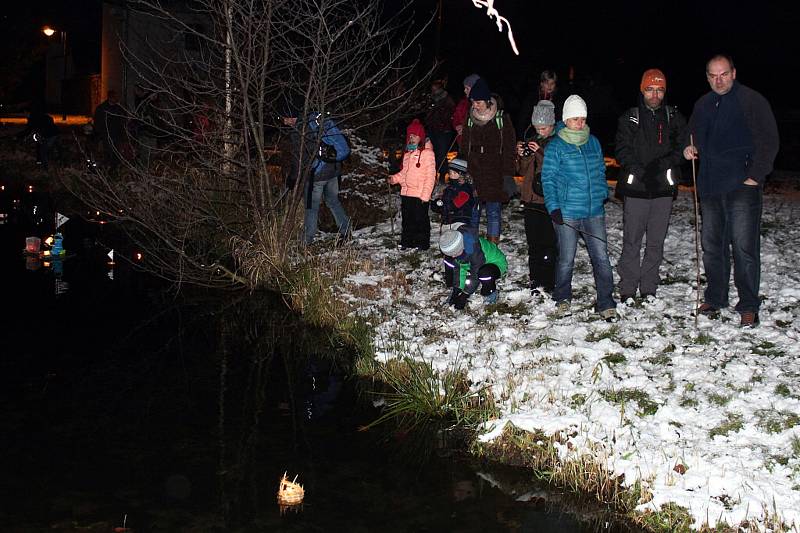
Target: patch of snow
[(643, 395)]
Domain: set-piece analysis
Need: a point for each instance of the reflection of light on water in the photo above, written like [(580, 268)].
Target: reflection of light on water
[(61, 287)]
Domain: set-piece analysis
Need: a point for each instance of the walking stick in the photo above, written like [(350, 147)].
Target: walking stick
[(696, 234), (392, 214), (439, 168)]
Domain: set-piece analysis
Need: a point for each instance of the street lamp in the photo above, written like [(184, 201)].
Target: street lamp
[(49, 32)]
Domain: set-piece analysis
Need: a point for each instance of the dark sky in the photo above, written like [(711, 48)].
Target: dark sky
[(615, 41)]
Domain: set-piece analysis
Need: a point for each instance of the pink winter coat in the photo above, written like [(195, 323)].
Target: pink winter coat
[(417, 181)]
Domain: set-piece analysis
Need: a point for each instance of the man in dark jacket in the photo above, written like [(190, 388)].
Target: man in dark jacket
[(649, 144), (736, 140), (489, 146), (44, 132)]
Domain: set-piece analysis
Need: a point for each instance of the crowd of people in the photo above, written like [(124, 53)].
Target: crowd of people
[(731, 132)]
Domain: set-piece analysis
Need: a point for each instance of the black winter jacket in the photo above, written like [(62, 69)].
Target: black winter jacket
[(649, 149), (736, 137)]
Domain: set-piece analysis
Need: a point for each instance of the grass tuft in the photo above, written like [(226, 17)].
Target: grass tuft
[(732, 423), (417, 394), (646, 405)]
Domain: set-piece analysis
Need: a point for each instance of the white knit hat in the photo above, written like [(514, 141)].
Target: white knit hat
[(574, 107), (451, 243)]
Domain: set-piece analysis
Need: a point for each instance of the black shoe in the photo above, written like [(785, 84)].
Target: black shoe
[(623, 298)]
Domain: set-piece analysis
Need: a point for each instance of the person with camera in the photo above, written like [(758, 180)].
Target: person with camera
[(416, 178), (541, 237), (649, 144)]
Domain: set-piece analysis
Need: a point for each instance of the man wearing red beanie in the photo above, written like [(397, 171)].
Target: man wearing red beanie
[(649, 142)]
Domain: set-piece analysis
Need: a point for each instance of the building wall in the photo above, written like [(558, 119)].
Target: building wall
[(131, 41)]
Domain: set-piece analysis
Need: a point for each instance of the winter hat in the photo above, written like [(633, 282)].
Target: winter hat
[(451, 243), (574, 107), (653, 78), (416, 128), (470, 80), (480, 91), (544, 113), (458, 165)]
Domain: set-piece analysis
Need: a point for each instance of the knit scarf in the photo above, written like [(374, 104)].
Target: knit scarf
[(578, 138), (485, 117)]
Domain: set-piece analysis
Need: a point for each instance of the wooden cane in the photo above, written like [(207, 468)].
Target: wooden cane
[(392, 214)]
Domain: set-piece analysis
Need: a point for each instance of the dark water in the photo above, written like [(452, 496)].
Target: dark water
[(122, 402)]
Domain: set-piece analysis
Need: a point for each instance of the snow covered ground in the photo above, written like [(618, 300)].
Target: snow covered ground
[(644, 395)]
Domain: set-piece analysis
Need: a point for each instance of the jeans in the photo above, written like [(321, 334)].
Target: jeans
[(732, 221), (493, 217), (330, 189), (593, 232)]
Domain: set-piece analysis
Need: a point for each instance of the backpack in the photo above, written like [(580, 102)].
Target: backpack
[(633, 114)]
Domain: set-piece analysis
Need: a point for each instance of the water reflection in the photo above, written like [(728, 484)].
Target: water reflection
[(126, 405)]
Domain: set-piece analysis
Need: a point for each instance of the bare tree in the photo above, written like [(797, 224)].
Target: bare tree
[(200, 195)]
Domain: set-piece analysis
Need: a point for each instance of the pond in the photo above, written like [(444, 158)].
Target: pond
[(128, 406)]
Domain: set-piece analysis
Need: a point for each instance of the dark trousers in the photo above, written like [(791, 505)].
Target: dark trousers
[(441, 141), (416, 231), (488, 275), (643, 218), (732, 222), (542, 247)]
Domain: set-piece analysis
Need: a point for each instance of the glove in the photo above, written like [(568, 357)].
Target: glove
[(491, 298), (460, 301), (555, 216)]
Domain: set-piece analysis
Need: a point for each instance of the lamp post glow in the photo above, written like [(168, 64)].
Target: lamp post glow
[(49, 32)]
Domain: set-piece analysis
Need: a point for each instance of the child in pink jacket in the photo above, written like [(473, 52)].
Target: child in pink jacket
[(416, 178)]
